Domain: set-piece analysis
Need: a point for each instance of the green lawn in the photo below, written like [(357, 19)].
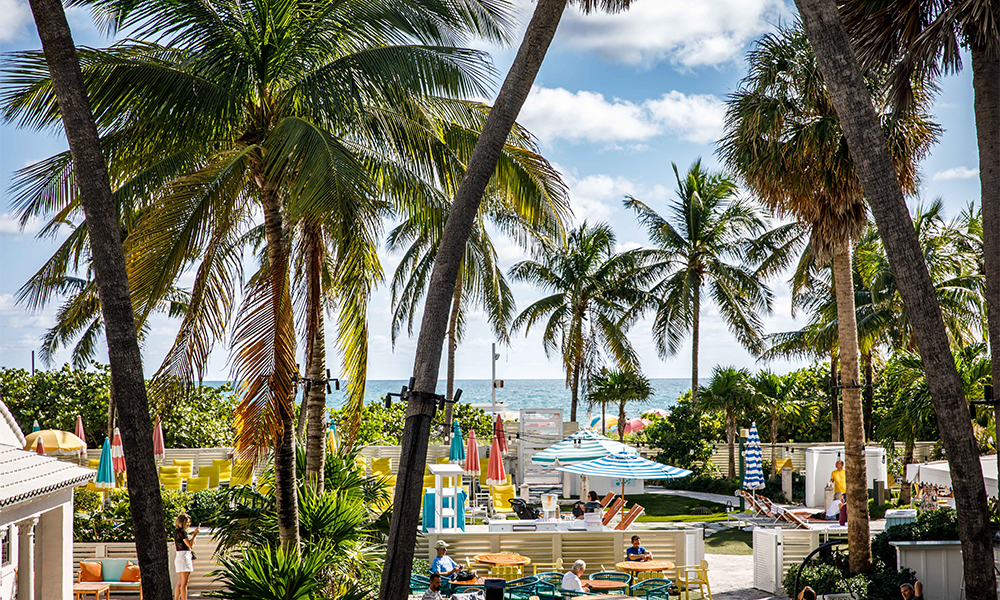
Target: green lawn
[(675, 509), (730, 541)]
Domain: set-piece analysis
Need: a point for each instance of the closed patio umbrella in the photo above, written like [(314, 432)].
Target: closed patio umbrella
[(498, 435), (159, 449), (495, 473), (625, 465), (456, 453), (35, 426), (753, 477), (80, 433), (117, 453), (105, 472), (40, 447), (472, 462)]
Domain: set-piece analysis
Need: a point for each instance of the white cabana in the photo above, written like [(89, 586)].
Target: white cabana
[(938, 473)]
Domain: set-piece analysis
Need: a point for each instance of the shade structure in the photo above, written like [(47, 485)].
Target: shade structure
[(625, 465), (105, 472), (35, 426), (117, 453), (54, 440), (499, 435), (660, 412), (472, 455), (159, 448), (753, 476), (581, 446), (938, 473), (40, 446), (456, 453), (495, 473)]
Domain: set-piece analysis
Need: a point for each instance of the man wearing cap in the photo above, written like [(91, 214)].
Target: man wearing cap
[(443, 564)]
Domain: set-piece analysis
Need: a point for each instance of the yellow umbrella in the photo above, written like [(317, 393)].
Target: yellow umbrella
[(54, 440)]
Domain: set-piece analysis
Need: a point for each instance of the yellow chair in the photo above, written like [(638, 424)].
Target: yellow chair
[(429, 481), (442, 460), (93, 463), (92, 487), (186, 465), (554, 567), (499, 499), (382, 465), (170, 471), (242, 473), (212, 473), (691, 575), (171, 483), (484, 466), (196, 484), (361, 464), (225, 468), (506, 572), (264, 489)]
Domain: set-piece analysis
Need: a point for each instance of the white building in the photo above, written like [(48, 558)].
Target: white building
[(36, 519)]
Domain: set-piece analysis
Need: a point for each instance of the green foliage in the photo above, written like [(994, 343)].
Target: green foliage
[(680, 439), (95, 520), (935, 525), (272, 573), (204, 505), (384, 427), (200, 417)]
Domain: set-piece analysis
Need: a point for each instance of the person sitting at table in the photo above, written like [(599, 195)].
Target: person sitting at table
[(434, 591), (571, 580), (636, 552), (443, 564)]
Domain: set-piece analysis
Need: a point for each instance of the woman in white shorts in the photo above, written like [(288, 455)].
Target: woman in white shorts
[(184, 562)]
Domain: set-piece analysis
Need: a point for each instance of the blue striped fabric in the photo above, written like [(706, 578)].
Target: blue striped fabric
[(582, 446), (753, 476), (626, 465)]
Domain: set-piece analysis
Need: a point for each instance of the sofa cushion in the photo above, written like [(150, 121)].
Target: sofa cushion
[(90, 571), (131, 573), (124, 584), (113, 568)]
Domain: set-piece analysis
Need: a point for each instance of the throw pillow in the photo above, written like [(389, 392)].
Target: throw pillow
[(131, 572), (90, 572)]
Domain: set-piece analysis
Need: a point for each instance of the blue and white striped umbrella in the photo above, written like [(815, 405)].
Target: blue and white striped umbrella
[(105, 472), (753, 476), (582, 446), (626, 465), (456, 454)]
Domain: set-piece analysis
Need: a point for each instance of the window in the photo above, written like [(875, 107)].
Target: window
[(6, 539)]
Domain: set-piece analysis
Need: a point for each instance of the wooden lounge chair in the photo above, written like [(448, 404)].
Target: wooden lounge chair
[(629, 517), (612, 511), (607, 499), (791, 517)]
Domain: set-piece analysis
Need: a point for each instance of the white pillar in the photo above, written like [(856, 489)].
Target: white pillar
[(26, 559), (55, 543)]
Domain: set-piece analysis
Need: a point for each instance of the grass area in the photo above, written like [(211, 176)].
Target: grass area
[(730, 541), (675, 509)]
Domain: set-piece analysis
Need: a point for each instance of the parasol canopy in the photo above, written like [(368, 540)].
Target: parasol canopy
[(581, 446), (54, 439), (105, 472), (499, 436), (625, 465), (117, 453), (472, 455), (633, 425), (456, 453), (753, 476), (159, 449)]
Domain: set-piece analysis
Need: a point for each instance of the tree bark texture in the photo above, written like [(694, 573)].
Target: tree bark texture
[(621, 421), (844, 81), (456, 306), (285, 485), (127, 383), (315, 397), (695, 332), (986, 84), (111, 411), (731, 440), (575, 391), (858, 535), (406, 505), (834, 401)]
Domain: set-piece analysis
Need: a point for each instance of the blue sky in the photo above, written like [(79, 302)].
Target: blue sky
[(618, 98)]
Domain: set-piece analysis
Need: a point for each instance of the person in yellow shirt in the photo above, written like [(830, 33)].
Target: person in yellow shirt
[(839, 478)]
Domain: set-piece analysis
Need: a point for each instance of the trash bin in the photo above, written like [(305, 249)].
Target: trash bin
[(494, 588)]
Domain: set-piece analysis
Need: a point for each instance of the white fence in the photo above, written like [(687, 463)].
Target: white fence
[(775, 551), (797, 452), (204, 549)]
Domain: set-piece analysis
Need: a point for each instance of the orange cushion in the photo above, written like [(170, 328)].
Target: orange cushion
[(90, 571), (131, 572)]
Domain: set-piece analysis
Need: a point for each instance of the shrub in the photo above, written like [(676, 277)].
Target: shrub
[(384, 427), (206, 504), (936, 525)]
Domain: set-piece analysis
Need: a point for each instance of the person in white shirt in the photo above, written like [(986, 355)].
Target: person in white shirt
[(571, 580), (833, 512)]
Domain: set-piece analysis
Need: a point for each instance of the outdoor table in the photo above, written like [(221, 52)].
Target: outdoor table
[(609, 597), (644, 566), (95, 588), (512, 560), (604, 584), (476, 582)]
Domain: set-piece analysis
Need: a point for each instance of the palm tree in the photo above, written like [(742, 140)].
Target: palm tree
[(776, 396), (704, 243), (852, 101), (783, 138), (591, 289), (92, 180), (618, 386), (347, 112), (728, 392)]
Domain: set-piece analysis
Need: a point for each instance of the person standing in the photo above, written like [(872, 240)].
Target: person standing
[(838, 478), (184, 562), (912, 592)]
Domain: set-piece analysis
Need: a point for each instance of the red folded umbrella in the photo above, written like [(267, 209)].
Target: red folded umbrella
[(472, 455), (158, 446), (495, 473), (40, 446), (80, 433), (117, 452), (499, 435)]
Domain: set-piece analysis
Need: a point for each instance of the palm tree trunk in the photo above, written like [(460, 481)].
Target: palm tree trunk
[(834, 400), (863, 132), (866, 357), (575, 383), (456, 306), (858, 538), (281, 386), (621, 421), (111, 411), (695, 332), (986, 84), (905, 488), (315, 395), (101, 214), (731, 440), (406, 505)]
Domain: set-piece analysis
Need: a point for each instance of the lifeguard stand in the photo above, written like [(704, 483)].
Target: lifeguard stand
[(447, 484)]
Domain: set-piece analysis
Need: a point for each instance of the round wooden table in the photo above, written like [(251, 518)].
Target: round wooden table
[(511, 560), (477, 582), (602, 585), (644, 566)]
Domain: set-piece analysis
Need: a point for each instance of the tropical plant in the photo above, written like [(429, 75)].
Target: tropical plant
[(783, 138), (849, 96), (618, 386), (586, 314), (729, 393), (707, 241), (776, 397), (272, 573)]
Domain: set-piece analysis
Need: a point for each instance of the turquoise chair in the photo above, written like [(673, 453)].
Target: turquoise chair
[(419, 583), (614, 576), (520, 589), (652, 589)]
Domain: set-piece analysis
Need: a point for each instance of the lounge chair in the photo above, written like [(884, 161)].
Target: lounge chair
[(791, 517), (382, 465), (212, 473), (630, 517), (186, 465), (607, 499), (196, 484), (171, 483), (225, 468), (612, 511), (500, 497)]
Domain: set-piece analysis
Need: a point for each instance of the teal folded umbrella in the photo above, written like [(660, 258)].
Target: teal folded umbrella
[(105, 473), (456, 454), (35, 426)]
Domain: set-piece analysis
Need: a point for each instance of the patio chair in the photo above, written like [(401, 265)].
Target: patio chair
[(548, 567), (186, 465), (382, 465), (613, 576), (196, 484), (225, 468), (506, 572), (630, 517), (500, 497), (429, 481), (694, 575), (212, 473), (93, 463), (612, 511), (171, 472), (419, 583), (652, 589), (241, 474), (791, 517), (170, 483), (607, 499), (520, 589)]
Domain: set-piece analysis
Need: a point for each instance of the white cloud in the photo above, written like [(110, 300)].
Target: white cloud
[(955, 173), (556, 113), (688, 34), (596, 197), (16, 18), (11, 225)]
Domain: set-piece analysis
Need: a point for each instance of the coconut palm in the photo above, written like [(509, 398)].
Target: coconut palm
[(776, 397), (853, 103), (704, 243), (782, 137), (618, 386), (591, 288), (728, 392)]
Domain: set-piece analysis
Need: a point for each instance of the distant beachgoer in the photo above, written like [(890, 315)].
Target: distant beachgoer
[(434, 591), (592, 496), (571, 580), (912, 592), (636, 552), (807, 593), (832, 513), (842, 516), (838, 477)]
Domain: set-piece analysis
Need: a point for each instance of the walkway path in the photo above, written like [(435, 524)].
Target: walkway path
[(731, 577)]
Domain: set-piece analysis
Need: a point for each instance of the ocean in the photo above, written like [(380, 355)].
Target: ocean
[(520, 393)]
